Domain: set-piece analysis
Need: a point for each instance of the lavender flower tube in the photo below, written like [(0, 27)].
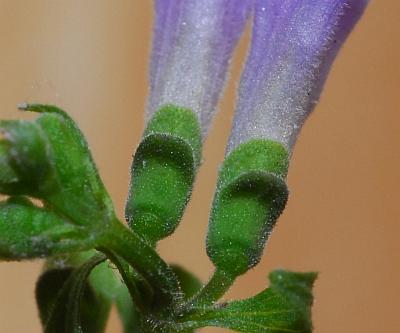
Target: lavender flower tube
[(293, 45), (192, 46)]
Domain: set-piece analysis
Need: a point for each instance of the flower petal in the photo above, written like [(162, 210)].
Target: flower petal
[(193, 43), (293, 45)]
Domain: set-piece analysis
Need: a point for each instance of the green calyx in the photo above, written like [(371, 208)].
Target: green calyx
[(163, 172), (178, 122), (251, 194)]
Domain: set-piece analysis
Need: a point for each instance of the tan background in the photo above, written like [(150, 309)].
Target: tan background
[(90, 57)]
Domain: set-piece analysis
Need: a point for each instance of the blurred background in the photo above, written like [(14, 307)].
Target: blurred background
[(91, 57)]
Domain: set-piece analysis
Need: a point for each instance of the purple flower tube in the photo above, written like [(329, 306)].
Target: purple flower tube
[(293, 46), (192, 46)]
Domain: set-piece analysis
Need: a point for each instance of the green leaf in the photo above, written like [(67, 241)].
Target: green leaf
[(47, 288), (104, 283), (127, 310), (251, 194), (77, 308), (163, 172), (104, 277), (52, 162), (284, 307), (27, 231)]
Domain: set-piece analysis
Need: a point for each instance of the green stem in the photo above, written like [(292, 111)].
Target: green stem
[(216, 287), (128, 278), (142, 257)]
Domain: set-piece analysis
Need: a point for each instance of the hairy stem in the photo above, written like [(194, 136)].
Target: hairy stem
[(216, 287), (142, 257), (129, 279)]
